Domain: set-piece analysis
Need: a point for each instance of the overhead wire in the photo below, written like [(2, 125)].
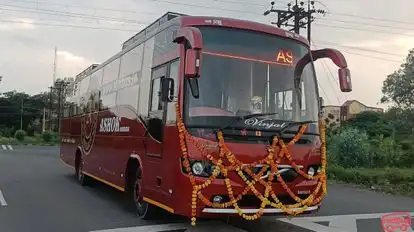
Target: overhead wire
[(68, 25), (67, 14), (361, 49), (364, 29), (72, 14), (83, 7), (366, 24), (374, 18)]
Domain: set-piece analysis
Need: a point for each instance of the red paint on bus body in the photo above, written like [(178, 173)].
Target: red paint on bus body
[(160, 162)]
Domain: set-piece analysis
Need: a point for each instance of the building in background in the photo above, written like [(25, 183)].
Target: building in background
[(334, 115), (353, 107), (331, 115)]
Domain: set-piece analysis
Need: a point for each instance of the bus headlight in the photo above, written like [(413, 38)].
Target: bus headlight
[(311, 171), (202, 168), (197, 168)]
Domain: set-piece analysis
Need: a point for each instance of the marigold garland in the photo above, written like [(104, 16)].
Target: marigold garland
[(239, 167)]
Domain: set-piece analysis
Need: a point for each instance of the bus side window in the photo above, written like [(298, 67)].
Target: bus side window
[(156, 104)]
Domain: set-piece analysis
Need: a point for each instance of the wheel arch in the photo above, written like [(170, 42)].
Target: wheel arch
[(134, 163)]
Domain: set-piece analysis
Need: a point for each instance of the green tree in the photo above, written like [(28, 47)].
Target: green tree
[(398, 87), (373, 123)]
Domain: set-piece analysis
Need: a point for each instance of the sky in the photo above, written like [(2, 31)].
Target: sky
[(374, 36)]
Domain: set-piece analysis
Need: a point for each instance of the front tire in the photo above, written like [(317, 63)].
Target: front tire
[(80, 176), (141, 208)]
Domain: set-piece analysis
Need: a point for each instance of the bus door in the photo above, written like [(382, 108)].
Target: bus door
[(153, 165)]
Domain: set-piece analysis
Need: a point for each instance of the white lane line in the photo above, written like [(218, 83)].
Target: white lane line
[(10, 147), (2, 200), (152, 228), (4, 147)]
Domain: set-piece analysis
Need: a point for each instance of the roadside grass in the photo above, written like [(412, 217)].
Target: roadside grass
[(29, 140), (389, 180)]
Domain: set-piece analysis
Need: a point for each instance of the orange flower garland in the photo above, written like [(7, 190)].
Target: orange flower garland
[(239, 167)]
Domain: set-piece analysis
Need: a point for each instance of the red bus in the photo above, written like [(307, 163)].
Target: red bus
[(249, 80)]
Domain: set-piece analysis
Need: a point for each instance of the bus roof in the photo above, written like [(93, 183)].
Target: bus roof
[(240, 24), (186, 20)]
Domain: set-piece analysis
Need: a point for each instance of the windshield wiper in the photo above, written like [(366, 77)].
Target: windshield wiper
[(244, 117)]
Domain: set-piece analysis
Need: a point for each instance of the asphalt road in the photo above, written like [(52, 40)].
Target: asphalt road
[(39, 193)]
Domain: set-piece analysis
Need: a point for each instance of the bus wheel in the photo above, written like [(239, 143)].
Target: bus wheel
[(82, 178), (142, 209)]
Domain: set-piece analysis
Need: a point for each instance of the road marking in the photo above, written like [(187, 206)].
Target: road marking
[(10, 147), (152, 228), (4, 147), (201, 226), (337, 223), (2, 200)]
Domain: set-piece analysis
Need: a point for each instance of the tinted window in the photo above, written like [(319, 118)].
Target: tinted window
[(131, 62), (164, 42), (84, 85), (111, 71), (96, 80), (155, 98), (251, 44), (108, 101), (129, 97)]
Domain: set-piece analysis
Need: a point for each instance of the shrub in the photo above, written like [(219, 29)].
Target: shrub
[(349, 148), (19, 135), (47, 136), (6, 131), (385, 152)]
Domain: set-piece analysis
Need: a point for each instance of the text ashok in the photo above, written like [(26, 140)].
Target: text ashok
[(265, 123), (112, 125)]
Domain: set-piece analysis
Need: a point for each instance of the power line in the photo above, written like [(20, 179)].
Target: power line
[(67, 25), (373, 57), (84, 7), (374, 18), (207, 7), (360, 29), (368, 24), (361, 49), (67, 14)]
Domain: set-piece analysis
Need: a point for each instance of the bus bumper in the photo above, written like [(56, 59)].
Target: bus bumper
[(251, 211), (250, 204)]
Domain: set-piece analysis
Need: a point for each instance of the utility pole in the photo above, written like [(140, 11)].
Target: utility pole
[(297, 13), (21, 114), (44, 120), (50, 108), (54, 66)]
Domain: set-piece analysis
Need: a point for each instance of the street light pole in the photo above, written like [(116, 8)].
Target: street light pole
[(21, 114)]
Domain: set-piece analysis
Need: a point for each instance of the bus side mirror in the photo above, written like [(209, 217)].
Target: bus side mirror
[(338, 58), (167, 89), (192, 63), (345, 79)]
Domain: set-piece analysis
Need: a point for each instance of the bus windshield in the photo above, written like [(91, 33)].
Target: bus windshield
[(245, 72)]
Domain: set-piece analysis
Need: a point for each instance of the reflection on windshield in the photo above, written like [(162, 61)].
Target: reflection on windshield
[(237, 84)]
